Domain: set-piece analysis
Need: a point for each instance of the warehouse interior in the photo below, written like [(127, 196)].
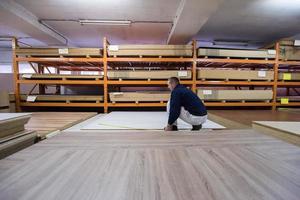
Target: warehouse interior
[(86, 99)]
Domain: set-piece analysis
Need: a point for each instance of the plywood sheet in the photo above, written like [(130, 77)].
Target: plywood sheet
[(234, 53), (285, 126), (16, 142), (11, 123), (60, 76), (67, 98), (221, 74), (46, 122), (150, 50), (235, 94), (59, 51), (139, 96), (146, 74), (140, 120)]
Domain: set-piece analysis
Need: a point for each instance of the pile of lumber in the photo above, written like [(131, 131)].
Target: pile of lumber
[(231, 74), (148, 96), (62, 98), (61, 77), (13, 136), (150, 50), (146, 74), (237, 53), (235, 95), (95, 52)]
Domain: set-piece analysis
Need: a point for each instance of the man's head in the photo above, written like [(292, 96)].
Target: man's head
[(173, 82)]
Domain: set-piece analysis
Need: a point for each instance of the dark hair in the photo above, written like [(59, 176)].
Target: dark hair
[(174, 80)]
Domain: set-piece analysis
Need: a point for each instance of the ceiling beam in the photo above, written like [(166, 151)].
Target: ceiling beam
[(191, 15), (30, 20)]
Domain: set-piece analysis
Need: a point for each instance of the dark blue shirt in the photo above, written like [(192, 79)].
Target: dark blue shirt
[(183, 97)]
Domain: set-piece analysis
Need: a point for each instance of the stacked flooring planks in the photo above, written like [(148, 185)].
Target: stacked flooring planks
[(289, 76), (147, 74), (231, 74), (235, 95), (61, 77), (95, 52), (63, 98), (150, 50), (13, 136), (156, 96), (220, 165), (234, 53)]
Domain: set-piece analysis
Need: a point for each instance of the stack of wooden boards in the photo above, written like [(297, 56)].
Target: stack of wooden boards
[(147, 96), (13, 136), (62, 98), (86, 52), (234, 53), (150, 50), (60, 77), (148, 74), (235, 95)]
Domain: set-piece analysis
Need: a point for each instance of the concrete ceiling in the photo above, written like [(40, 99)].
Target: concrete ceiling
[(257, 22)]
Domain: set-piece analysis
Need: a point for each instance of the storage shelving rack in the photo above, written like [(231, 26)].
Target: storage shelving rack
[(192, 63), (240, 63), (145, 61), (70, 63)]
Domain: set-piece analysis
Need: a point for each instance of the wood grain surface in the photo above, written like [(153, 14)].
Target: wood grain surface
[(227, 164)]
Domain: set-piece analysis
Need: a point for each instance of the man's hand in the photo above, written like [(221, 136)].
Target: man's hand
[(168, 128)]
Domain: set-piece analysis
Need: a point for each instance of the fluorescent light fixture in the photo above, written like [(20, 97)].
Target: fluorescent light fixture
[(104, 22), (297, 43), (234, 43)]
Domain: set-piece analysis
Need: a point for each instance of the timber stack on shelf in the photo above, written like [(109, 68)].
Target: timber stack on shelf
[(137, 74), (84, 66), (289, 74), (230, 77)]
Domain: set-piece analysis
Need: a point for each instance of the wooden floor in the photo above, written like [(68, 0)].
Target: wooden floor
[(227, 164), (46, 122)]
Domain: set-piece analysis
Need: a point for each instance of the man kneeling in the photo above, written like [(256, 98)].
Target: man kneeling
[(186, 105)]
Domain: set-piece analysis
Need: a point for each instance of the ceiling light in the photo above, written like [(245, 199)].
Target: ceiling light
[(234, 43), (104, 22)]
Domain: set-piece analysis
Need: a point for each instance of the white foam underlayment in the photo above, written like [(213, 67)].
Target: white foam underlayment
[(139, 121)]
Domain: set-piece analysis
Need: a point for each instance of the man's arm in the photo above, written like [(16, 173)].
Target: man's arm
[(175, 107)]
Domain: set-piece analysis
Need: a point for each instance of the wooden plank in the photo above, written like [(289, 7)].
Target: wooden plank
[(16, 143), (11, 123), (46, 122), (58, 51), (231, 74), (66, 98), (237, 53), (227, 165), (286, 131), (148, 74), (60, 76), (150, 50), (139, 96), (235, 94)]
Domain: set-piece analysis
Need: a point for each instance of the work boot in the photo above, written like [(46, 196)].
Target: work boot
[(174, 128), (196, 127)]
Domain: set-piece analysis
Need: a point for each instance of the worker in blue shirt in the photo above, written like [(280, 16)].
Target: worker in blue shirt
[(186, 105)]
